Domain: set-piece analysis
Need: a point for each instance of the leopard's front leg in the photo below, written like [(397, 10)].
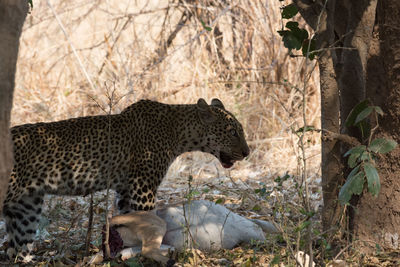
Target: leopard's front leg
[(138, 194)]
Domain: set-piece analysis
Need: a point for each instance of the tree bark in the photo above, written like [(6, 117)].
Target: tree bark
[(367, 67), (12, 17), (321, 18), (360, 19), (377, 220), (330, 111)]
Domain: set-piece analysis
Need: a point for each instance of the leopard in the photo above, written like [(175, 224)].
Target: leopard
[(129, 152)]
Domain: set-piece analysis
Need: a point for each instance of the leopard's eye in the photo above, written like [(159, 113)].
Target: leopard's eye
[(233, 132)]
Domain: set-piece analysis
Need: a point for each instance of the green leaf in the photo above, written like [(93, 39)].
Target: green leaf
[(378, 110), (355, 153), (30, 3), (378, 248), (307, 213), (133, 262), (302, 226), (365, 129), (276, 260), (207, 28), (261, 191), (308, 128), (352, 161), (374, 184), (290, 41), (220, 201), (292, 25), (256, 208), (289, 11), (356, 150), (300, 34), (365, 156), (307, 47), (354, 185), (351, 118), (382, 145), (282, 33), (364, 114)]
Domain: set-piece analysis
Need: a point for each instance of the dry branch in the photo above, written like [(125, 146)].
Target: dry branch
[(90, 227), (110, 49), (331, 136)]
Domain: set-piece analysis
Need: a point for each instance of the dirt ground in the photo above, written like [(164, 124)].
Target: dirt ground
[(62, 231)]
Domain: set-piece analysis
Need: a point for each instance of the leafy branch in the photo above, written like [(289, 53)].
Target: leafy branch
[(362, 155), (361, 158), (294, 37)]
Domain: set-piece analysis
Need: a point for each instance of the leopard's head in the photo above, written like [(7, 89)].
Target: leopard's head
[(224, 136)]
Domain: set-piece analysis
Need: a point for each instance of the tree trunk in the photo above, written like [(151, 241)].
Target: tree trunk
[(368, 66), (12, 17), (321, 18), (359, 20), (377, 220), (330, 110)]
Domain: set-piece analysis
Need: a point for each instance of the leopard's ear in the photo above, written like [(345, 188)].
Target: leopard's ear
[(217, 103), (205, 113), (202, 104)]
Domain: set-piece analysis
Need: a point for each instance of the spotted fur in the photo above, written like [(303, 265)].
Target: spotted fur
[(131, 152)]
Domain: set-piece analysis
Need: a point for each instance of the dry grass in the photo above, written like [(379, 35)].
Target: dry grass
[(124, 44)]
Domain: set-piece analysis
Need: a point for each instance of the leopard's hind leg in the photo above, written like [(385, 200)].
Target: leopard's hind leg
[(22, 218)]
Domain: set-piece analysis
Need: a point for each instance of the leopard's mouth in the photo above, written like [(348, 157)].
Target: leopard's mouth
[(226, 160)]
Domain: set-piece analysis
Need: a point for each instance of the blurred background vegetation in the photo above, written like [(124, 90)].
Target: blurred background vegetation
[(174, 51)]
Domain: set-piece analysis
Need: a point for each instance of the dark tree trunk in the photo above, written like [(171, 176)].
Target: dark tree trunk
[(330, 106), (330, 110), (378, 219), (12, 17), (367, 67)]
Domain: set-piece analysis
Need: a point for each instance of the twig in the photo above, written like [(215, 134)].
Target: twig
[(58, 60), (110, 105), (90, 226), (185, 17), (83, 69), (72, 46), (110, 49), (188, 203), (306, 199), (142, 12), (352, 244), (373, 129), (191, 40)]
